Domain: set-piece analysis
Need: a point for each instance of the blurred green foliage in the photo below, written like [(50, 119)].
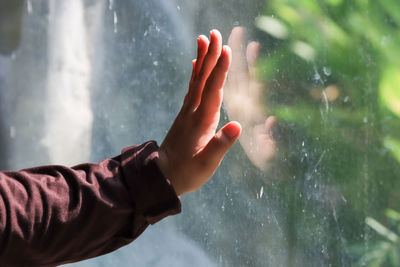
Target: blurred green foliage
[(331, 70), (385, 251)]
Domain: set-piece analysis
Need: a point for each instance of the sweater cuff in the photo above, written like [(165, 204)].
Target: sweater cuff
[(152, 193)]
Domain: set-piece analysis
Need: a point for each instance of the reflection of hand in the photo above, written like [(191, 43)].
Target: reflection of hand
[(192, 150), (242, 100)]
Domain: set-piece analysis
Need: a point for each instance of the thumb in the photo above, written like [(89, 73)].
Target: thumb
[(217, 147)]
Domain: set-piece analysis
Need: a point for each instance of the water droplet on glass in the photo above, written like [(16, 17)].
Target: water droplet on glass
[(261, 191), (365, 120), (178, 7), (110, 4), (12, 132), (29, 6), (327, 71), (317, 77), (115, 22), (155, 63), (346, 99)]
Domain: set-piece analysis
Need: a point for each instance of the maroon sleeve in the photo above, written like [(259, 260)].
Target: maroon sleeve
[(54, 214)]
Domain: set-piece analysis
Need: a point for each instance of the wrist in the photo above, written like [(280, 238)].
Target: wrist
[(164, 166)]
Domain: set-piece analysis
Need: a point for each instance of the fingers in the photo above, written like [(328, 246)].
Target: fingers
[(252, 51), (265, 129), (202, 48), (193, 69), (217, 147), (236, 42), (204, 65), (213, 53), (211, 98), (188, 94), (269, 123)]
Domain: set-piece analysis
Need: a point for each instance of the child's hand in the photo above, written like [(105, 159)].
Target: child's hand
[(243, 101), (192, 150)]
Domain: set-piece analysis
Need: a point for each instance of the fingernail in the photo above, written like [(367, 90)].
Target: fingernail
[(212, 32), (231, 131), (226, 48)]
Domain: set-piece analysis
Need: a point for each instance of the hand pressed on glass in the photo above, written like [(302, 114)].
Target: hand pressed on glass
[(192, 150), (120, 196)]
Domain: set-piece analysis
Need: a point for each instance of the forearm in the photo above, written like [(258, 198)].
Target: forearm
[(55, 214)]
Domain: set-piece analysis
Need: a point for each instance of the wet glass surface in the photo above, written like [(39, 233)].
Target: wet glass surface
[(314, 180)]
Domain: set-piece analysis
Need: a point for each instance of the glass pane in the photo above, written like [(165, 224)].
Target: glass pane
[(315, 185)]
